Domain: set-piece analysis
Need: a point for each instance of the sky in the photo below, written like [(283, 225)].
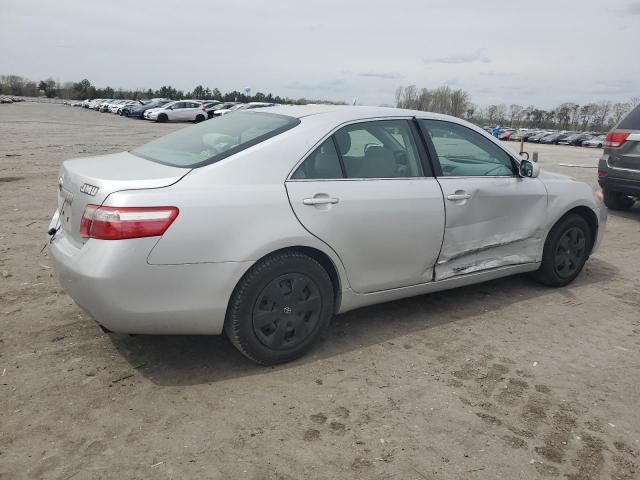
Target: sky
[(543, 52)]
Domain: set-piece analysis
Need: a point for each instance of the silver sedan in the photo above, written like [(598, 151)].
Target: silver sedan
[(264, 224)]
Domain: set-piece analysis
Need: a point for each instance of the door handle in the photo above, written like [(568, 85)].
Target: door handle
[(320, 201), (459, 196)]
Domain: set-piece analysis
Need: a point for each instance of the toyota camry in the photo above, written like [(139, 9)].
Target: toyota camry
[(264, 224)]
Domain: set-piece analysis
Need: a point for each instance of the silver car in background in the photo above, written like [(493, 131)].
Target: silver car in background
[(264, 224)]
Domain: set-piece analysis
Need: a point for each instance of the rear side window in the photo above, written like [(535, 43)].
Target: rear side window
[(215, 139), (631, 121), (380, 149), (323, 163)]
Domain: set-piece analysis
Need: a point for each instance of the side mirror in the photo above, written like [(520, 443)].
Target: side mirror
[(529, 169)]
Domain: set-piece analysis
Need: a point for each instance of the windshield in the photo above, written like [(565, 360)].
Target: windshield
[(215, 139)]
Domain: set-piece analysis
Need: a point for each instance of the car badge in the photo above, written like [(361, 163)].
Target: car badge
[(89, 189)]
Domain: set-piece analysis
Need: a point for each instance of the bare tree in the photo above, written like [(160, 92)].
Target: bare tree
[(459, 103), (515, 112), (619, 111)]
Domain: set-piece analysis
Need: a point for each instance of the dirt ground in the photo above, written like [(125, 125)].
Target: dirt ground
[(506, 379)]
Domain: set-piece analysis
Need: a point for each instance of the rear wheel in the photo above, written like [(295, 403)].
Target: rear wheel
[(565, 251), (280, 308), (162, 118), (617, 200), (199, 118)]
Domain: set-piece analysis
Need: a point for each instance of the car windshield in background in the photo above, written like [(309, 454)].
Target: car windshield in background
[(215, 139)]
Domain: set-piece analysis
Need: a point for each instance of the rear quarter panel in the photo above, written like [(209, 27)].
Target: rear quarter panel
[(236, 210)]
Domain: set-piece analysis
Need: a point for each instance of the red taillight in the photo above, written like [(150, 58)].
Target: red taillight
[(615, 139), (119, 223), (602, 173)]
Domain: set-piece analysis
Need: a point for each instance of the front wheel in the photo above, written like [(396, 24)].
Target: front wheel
[(162, 118), (565, 251), (617, 200), (280, 308)]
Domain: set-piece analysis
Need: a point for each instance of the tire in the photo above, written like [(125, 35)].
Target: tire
[(280, 308), (617, 200), (565, 251), (162, 118), (199, 118)]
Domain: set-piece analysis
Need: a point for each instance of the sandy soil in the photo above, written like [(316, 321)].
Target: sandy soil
[(506, 379)]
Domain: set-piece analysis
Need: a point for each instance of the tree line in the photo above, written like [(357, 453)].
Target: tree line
[(84, 89), (596, 116)]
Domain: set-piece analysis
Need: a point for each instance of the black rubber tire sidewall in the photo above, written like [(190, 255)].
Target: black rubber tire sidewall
[(162, 118), (239, 323), (200, 118), (547, 274)]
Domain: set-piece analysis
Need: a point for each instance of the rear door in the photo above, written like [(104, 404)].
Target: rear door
[(192, 110), (365, 192), (177, 111), (494, 218)]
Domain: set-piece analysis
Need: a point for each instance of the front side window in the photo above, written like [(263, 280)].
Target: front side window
[(215, 139), (178, 105), (379, 149), (465, 153)]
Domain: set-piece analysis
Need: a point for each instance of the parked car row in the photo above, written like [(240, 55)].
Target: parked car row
[(9, 99), (167, 110), (584, 139)]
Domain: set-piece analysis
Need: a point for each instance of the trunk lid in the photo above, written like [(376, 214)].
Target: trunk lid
[(90, 180)]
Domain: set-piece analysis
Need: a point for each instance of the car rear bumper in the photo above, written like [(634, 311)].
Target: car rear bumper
[(113, 282), (621, 180), (622, 185)]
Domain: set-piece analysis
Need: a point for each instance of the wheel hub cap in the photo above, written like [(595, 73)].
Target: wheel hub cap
[(287, 311), (570, 252)]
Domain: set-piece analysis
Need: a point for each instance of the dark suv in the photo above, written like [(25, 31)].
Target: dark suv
[(619, 167)]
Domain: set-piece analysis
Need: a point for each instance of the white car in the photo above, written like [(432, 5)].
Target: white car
[(243, 106), (96, 102), (267, 222), (127, 103), (595, 142), (178, 111)]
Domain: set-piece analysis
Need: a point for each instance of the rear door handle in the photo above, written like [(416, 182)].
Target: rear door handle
[(459, 196), (320, 201)]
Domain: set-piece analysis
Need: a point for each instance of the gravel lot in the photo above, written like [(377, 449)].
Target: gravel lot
[(506, 379)]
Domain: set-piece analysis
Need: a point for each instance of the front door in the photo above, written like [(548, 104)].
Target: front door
[(494, 218), (364, 193)]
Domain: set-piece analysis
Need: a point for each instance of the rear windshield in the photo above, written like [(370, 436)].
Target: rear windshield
[(215, 139), (631, 121)]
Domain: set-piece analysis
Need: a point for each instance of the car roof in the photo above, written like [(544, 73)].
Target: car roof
[(352, 112)]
